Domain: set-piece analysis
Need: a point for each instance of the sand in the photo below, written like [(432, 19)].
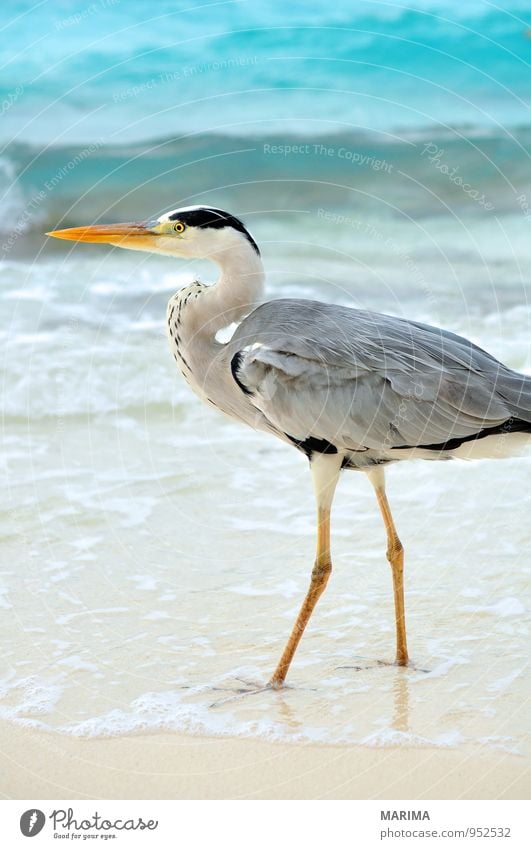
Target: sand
[(42, 765)]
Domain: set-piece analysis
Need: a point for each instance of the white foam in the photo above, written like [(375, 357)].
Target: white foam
[(504, 683), (505, 744), (13, 204), (504, 607), (64, 620), (286, 589), (5, 604), (76, 662), (396, 737), (155, 615), (507, 607), (85, 543), (39, 697), (144, 582)]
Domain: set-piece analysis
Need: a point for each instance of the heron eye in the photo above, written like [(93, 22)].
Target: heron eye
[(179, 227)]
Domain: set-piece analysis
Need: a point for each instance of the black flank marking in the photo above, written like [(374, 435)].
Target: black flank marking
[(311, 445), (210, 217), (510, 426), (234, 366), (349, 463)]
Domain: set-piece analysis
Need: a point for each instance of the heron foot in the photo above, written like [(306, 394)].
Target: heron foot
[(240, 694), (252, 689), (407, 665), (376, 664)]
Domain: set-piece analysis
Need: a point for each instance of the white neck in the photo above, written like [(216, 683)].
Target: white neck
[(238, 290), (197, 312)]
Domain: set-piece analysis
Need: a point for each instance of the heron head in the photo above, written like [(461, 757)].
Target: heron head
[(193, 231)]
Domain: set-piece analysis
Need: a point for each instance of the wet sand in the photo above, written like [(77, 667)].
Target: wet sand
[(39, 765)]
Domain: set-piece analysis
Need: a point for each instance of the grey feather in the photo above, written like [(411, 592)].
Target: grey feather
[(364, 380)]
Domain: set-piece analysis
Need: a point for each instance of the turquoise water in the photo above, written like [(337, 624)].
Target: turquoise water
[(128, 71), (111, 107), (380, 155)]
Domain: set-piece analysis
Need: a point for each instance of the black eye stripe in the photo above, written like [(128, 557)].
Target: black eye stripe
[(210, 217)]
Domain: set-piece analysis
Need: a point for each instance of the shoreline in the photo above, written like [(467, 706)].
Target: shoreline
[(44, 765)]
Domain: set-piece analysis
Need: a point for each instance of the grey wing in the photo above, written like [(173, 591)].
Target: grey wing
[(362, 380)]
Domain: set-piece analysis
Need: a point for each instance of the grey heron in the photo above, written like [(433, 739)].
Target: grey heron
[(351, 389)]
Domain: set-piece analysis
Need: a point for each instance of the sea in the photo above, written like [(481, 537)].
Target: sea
[(153, 555)]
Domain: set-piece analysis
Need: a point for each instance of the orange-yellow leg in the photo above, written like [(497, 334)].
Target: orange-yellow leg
[(325, 472), (320, 574), (395, 555)]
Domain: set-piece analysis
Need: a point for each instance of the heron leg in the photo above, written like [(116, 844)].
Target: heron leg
[(325, 470), (395, 555)]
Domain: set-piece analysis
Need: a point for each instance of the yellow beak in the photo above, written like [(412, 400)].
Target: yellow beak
[(113, 234)]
